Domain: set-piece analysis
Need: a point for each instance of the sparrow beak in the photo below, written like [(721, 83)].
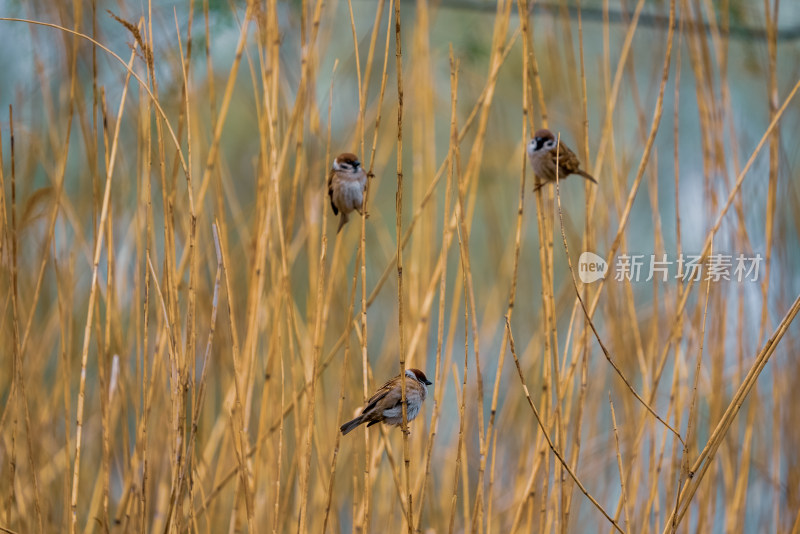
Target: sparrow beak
[(428, 383)]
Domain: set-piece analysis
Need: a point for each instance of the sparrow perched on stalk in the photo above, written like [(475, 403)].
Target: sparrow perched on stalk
[(347, 182), (385, 406), (542, 155)]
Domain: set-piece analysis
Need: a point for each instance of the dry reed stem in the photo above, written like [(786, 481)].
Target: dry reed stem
[(19, 392), (651, 138), (59, 184), (164, 484), (447, 234), (90, 312), (645, 156), (613, 97), (340, 405), (474, 163), (704, 459), (691, 427), (462, 405), (771, 19), (470, 294), (587, 314), (128, 67), (522, 6), (237, 417), (718, 222), (399, 232), (539, 421), (624, 494), (320, 299), (588, 238), (326, 304), (363, 242), (279, 456)]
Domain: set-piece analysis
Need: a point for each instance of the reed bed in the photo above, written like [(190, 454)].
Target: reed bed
[(183, 329)]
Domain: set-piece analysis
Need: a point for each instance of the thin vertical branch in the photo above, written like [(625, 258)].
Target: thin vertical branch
[(546, 435), (90, 313), (624, 494), (399, 229)]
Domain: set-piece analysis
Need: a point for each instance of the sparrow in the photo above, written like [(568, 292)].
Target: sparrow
[(385, 405), (542, 155), (347, 182)]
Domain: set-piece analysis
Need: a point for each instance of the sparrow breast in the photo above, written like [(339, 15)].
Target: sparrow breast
[(348, 194), (415, 394)]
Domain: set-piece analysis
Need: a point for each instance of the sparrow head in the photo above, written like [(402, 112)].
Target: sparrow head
[(419, 376), (346, 162), (542, 140)]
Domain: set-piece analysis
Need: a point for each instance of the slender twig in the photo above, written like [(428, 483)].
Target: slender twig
[(704, 460), (543, 429), (89, 314)]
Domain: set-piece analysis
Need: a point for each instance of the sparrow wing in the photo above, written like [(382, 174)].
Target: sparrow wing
[(387, 397), (390, 400), (330, 192), (374, 400), (567, 160), (378, 396)]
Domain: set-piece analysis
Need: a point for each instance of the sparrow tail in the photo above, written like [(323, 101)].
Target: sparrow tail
[(350, 425), (342, 222), (586, 175)]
